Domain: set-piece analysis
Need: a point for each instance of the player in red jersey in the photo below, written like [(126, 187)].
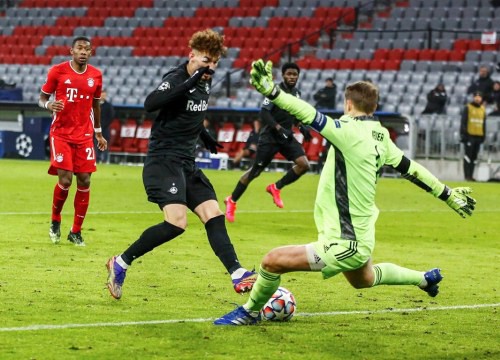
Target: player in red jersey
[(76, 114)]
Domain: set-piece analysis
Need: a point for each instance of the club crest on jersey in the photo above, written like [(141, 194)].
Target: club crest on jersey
[(91, 82), (59, 158), (207, 88), (173, 189)]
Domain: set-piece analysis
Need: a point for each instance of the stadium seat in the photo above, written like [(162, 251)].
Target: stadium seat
[(127, 135), (114, 141), (142, 135), (225, 137)]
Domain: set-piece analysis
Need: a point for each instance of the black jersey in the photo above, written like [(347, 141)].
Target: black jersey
[(179, 123), (280, 116)]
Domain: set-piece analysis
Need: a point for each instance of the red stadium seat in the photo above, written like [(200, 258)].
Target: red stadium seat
[(315, 146), (114, 141), (225, 137), (142, 136), (127, 134)]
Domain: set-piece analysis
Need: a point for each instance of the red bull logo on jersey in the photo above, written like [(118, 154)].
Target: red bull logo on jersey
[(200, 106)]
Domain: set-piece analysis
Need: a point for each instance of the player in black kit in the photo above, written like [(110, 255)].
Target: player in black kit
[(275, 136), (171, 178)]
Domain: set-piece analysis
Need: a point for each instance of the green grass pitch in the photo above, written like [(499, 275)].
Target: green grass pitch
[(54, 304)]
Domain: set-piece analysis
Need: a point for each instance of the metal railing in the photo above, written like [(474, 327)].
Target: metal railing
[(438, 137)]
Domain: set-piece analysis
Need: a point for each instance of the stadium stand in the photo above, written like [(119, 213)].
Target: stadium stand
[(405, 46)]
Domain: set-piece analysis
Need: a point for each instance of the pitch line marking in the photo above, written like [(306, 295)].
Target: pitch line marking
[(243, 212), (173, 321)]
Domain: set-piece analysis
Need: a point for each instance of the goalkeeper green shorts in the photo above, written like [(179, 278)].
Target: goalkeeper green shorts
[(341, 255)]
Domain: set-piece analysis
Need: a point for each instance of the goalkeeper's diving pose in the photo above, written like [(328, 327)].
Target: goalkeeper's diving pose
[(345, 211)]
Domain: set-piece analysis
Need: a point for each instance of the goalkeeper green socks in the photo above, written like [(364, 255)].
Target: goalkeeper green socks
[(391, 274), (265, 286)]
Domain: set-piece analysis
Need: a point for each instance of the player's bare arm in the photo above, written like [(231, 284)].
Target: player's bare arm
[(53, 106), (102, 143)]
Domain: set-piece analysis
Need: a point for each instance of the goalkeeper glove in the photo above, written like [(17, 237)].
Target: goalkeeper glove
[(460, 201), (306, 133), (261, 77), (210, 143)]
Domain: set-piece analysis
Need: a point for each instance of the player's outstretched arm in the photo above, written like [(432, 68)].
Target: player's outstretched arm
[(457, 198)]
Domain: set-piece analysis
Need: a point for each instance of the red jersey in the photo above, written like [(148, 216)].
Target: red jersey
[(77, 90)]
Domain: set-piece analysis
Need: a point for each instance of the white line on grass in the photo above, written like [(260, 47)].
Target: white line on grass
[(244, 212), (173, 321)]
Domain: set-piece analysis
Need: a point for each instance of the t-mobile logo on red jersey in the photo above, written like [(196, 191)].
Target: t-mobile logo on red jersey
[(71, 93)]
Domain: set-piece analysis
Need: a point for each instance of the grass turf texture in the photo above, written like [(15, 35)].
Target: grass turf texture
[(46, 284)]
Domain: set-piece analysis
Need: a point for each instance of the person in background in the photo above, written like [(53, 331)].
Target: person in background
[(107, 116), (76, 113), (495, 94), (436, 101), (483, 84), (275, 136), (345, 211), (250, 147), (472, 132), (326, 97)]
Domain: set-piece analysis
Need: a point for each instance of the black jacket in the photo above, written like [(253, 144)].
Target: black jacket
[(436, 102), (183, 105), (326, 97)]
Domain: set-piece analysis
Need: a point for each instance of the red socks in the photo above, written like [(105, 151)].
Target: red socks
[(82, 197), (60, 196)]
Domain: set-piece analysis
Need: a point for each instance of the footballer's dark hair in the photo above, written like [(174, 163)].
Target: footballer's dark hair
[(364, 96), (80, 38), (208, 41), (290, 65)]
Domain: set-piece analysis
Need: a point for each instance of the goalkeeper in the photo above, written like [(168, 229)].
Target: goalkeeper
[(345, 211)]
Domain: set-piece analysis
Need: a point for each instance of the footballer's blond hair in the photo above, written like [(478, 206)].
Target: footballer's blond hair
[(364, 96), (208, 41)]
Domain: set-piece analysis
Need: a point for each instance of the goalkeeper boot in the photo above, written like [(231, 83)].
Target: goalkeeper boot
[(238, 316), (55, 231), (433, 278), (275, 193), (244, 283), (116, 277), (230, 208), (76, 238)]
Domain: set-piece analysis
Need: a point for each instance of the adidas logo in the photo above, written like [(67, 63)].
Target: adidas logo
[(68, 81)]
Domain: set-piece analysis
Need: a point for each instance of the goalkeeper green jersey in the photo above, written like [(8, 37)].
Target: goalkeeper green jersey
[(345, 204)]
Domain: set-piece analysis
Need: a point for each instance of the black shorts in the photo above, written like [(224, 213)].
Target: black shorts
[(268, 148), (173, 181)]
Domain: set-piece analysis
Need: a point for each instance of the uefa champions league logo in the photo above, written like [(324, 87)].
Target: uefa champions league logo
[(24, 145)]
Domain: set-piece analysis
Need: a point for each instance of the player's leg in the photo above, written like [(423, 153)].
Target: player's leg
[(81, 205), (61, 164), (83, 166), (292, 151), (468, 160), (202, 201), (370, 275), (278, 261), (265, 153), (170, 195)]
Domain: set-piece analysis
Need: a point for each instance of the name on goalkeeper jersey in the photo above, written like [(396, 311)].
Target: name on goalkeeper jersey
[(377, 135), (201, 106)]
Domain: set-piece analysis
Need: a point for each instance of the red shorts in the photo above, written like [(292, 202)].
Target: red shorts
[(77, 158)]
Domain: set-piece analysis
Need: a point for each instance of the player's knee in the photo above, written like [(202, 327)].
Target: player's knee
[(271, 262), (303, 165), (255, 172), (65, 182)]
